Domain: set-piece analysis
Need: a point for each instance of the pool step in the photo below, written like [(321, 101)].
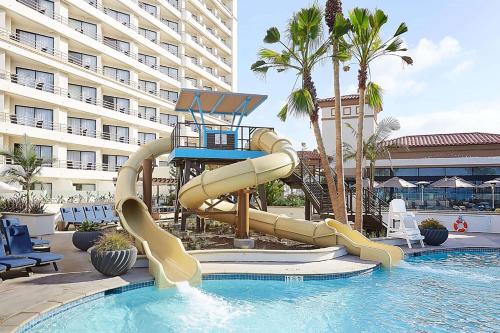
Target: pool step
[(253, 255)]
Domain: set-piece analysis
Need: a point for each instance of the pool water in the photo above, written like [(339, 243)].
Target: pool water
[(448, 292)]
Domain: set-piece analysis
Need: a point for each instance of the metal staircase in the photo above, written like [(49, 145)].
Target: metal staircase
[(316, 191)]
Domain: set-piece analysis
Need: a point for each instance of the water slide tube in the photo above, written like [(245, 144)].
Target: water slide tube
[(169, 263)]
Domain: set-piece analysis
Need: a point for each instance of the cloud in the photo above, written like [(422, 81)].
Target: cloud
[(467, 118), (462, 67), (399, 80)]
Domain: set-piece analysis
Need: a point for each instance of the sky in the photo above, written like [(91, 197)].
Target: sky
[(452, 86)]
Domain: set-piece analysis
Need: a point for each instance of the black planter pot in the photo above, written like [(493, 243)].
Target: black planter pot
[(434, 237), (84, 240), (113, 263)]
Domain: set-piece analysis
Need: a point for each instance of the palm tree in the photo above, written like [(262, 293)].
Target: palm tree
[(365, 45), (374, 146), (301, 50), (24, 168), (333, 9)]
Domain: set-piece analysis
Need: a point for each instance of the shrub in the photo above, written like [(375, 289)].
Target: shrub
[(17, 204), (431, 223), (114, 241), (88, 226), (497, 210)]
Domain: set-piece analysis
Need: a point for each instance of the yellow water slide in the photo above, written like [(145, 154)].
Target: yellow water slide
[(169, 263)]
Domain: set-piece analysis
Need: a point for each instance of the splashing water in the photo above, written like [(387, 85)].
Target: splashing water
[(452, 292)]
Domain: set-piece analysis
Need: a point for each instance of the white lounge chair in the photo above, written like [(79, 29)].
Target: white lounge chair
[(402, 224)]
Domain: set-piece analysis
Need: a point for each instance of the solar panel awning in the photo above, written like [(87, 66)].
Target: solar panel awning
[(218, 102)]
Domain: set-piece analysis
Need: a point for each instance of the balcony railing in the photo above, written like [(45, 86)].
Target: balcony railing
[(64, 128), (69, 59), (50, 88), (71, 164), (171, 24)]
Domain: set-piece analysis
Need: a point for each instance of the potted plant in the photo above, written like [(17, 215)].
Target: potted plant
[(434, 232), (86, 235), (23, 168), (113, 254)]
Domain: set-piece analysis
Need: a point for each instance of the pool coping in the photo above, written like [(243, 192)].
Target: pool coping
[(36, 319)]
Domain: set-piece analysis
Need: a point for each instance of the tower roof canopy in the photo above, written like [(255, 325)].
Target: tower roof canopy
[(218, 102)]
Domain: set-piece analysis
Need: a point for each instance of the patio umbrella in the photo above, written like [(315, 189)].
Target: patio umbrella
[(422, 184), (6, 188), (396, 182), (492, 183), (453, 182)]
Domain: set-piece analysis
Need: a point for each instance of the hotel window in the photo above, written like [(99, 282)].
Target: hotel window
[(84, 160), (44, 187), (116, 103), (115, 133), (86, 28), (151, 9), (346, 111), (31, 116), (486, 171), (39, 42), (147, 112), (113, 162), (118, 74), (174, 49), (458, 172), (123, 18), (172, 96), (191, 80), (171, 24), (149, 34), (43, 153), (145, 137), (34, 79), (147, 86), (82, 93), (84, 187), (147, 60), (81, 126), (118, 45), (45, 7), (429, 172), (406, 172), (170, 71), (168, 119), (87, 61), (382, 172), (357, 109)]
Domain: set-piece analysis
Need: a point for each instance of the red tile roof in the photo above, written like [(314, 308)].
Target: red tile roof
[(453, 139), (345, 97)]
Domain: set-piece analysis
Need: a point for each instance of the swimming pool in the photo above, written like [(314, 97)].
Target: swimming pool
[(443, 292)]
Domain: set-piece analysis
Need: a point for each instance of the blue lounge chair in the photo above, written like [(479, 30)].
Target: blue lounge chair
[(15, 221), (14, 262), (90, 214), (3, 268), (110, 213), (79, 215), (67, 216), (100, 215), (19, 244)]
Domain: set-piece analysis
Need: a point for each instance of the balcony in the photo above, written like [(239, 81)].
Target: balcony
[(210, 13), (50, 88), (64, 128), (64, 57)]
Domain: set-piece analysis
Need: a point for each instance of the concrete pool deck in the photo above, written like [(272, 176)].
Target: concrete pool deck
[(24, 298)]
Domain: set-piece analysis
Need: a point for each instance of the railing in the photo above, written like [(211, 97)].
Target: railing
[(171, 24), (50, 88), (64, 128), (198, 138), (69, 59), (70, 164)]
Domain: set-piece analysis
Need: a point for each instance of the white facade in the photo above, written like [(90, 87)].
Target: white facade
[(349, 110), (88, 81)]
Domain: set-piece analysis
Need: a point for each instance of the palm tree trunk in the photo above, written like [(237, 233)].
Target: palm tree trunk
[(358, 219), (27, 199), (372, 174), (341, 211), (325, 164)]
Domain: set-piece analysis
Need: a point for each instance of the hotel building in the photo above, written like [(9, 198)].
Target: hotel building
[(89, 81), (474, 157)]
